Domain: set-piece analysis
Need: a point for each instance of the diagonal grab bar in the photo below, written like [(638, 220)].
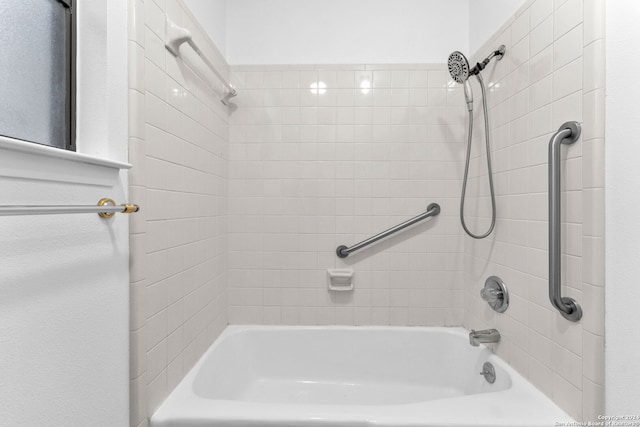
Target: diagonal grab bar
[(432, 210), (568, 133)]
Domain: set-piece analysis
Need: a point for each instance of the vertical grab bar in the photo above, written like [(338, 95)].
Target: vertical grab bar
[(568, 133)]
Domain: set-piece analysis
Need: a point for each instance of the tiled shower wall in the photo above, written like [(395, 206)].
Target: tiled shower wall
[(322, 156), (553, 72), (178, 145), (328, 155)]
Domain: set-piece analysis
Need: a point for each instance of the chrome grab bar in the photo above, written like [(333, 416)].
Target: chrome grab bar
[(568, 133), (432, 210), (175, 36), (105, 208)]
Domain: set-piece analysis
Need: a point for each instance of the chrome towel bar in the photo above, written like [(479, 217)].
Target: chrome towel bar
[(106, 208), (432, 210), (568, 133)]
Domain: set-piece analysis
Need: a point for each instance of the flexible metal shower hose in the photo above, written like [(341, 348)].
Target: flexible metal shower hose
[(489, 168)]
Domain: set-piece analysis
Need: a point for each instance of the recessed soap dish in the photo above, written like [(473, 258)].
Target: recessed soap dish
[(340, 280)]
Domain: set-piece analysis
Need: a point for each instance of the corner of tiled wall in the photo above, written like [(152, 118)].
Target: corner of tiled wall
[(593, 206), (178, 145), (553, 72)]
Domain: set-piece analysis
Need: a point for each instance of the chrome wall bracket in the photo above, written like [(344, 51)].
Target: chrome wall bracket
[(495, 294)]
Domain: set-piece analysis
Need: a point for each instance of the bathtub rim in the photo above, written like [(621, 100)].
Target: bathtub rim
[(191, 407)]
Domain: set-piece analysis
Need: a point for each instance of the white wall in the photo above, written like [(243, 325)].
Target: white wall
[(357, 31), (64, 279), (486, 17), (345, 32), (212, 16), (622, 200)]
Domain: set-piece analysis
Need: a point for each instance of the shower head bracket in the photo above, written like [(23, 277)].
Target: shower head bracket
[(498, 54)]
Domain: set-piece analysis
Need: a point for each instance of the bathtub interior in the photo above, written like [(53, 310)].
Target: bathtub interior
[(384, 366)]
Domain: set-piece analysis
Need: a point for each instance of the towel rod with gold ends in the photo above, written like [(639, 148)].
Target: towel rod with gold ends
[(106, 208), (432, 210)]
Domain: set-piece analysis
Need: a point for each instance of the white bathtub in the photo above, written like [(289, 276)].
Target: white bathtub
[(351, 376)]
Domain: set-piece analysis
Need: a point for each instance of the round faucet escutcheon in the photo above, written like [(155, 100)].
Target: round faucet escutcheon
[(488, 372)]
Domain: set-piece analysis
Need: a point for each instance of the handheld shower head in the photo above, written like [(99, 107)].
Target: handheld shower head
[(459, 71), (468, 95), (458, 67)]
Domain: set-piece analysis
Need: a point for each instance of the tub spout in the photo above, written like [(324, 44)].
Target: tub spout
[(484, 336)]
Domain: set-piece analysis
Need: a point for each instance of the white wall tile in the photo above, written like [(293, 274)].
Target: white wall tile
[(539, 10), (567, 396), (594, 20), (593, 400), (593, 359), (541, 93), (179, 137), (541, 65), (564, 83), (593, 113), (568, 47), (138, 400), (566, 17), (366, 121), (594, 57), (520, 27)]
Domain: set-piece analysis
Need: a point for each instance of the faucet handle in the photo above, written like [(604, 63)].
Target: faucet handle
[(491, 295), (488, 372), (495, 294)]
